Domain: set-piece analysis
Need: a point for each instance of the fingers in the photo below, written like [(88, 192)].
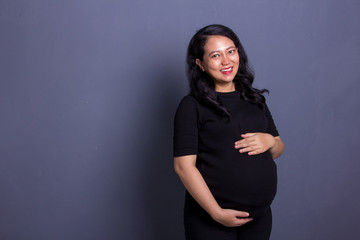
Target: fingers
[(232, 218), (252, 143), (237, 222), (241, 218), (252, 150), (245, 143), (249, 149), (246, 135), (255, 152), (242, 221), (241, 214)]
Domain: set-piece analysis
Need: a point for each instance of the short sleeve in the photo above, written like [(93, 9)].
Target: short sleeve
[(185, 138), (271, 125)]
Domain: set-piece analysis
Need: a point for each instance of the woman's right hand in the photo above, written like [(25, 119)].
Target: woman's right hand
[(231, 217)]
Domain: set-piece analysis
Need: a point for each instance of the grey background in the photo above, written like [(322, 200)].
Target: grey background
[(89, 88)]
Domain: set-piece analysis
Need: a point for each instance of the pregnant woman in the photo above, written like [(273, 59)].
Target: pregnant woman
[(225, 143)]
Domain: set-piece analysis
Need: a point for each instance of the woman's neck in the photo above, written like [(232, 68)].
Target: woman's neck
[(225, 88)]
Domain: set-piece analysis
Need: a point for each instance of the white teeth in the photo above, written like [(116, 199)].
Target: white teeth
[(226, 70)]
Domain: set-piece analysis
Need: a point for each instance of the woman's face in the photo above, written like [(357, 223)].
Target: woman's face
[(220, 60)]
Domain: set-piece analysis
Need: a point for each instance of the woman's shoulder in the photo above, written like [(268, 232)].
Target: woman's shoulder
[(188, 105), (188, 100)]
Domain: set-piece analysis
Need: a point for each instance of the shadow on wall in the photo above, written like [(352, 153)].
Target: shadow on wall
[(162, 191)]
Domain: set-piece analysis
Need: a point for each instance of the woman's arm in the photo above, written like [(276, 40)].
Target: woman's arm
[(185, 167), (278, 148), (256, 143)]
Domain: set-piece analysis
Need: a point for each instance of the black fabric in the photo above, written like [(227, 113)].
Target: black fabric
[(200, 226), (237, 180)]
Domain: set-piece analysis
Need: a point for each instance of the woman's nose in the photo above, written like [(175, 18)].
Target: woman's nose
[(225, 60)]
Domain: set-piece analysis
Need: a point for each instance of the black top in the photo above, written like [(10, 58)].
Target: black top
[(237, 180)]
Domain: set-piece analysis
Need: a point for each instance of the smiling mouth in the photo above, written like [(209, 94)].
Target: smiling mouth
[(227, 70)]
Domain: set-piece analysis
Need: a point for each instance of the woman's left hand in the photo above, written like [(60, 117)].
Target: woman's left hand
[(255, 143)]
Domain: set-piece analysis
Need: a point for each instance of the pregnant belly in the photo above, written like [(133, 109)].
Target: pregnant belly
[(246, 183)]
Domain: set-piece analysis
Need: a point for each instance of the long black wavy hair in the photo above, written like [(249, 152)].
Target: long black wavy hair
[(202, 86)]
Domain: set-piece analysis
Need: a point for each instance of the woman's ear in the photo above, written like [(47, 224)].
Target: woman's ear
[(199, 63)]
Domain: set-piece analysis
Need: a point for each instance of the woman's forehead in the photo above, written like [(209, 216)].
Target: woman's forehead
[(218, 43)]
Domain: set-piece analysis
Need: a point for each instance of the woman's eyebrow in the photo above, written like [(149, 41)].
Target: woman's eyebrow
[(212, 52)]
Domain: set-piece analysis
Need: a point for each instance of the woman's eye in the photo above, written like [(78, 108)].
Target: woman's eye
[(232, 51), (215, 55)]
